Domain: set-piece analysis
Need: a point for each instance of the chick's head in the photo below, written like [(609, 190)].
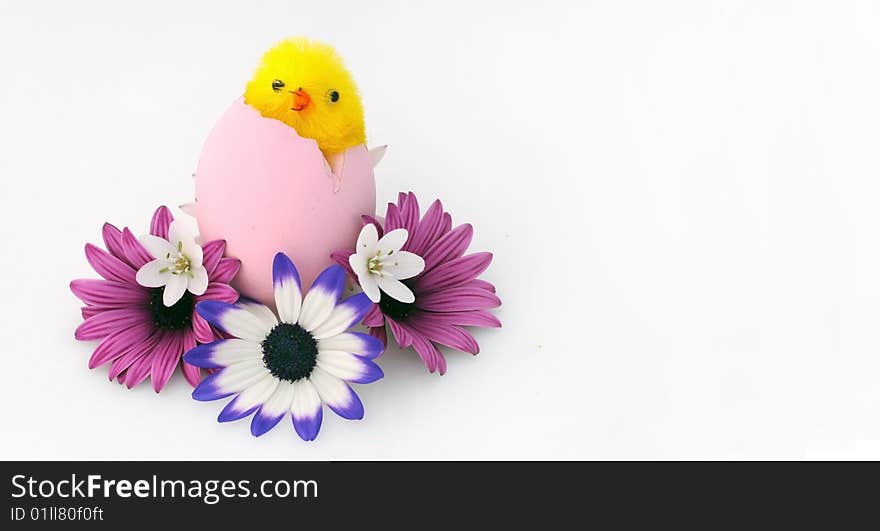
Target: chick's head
[(305, 84)]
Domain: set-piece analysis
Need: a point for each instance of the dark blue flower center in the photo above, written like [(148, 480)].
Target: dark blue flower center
[(175, 317), (395, 309), (289, 352)]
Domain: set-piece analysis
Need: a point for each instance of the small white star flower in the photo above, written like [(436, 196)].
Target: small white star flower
[(380, 264), (177, 265)]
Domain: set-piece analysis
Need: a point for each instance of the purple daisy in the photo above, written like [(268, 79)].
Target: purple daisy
[(141, 336), (448, 294), (292, 363)]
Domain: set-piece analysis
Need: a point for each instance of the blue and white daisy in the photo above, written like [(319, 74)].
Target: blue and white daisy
[(295, 362)]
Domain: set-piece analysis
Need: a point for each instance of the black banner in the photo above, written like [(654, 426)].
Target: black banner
[(45, 495)]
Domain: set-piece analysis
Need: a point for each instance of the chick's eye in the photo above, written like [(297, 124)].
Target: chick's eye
[(277, 85), (333, 95)]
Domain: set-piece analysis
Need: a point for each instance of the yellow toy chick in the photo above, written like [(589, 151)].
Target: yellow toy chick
[(305, 84)]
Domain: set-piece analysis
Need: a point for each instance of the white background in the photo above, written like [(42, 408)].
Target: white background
[(682, 199)]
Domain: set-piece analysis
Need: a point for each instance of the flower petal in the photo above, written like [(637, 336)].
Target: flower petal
[(202, 329), (223, 353), (367, 240), (198, 283), (450, 246), (108, 293), (392, 241), (260, 311), (429, 230), (322, 297), (380, 334), (287, 287), (347, 314), (250, 399), (403, 265), (113, 240), (175, 287), (409, 210), (226, 270), (273, 409), (158, 247), (453, 273), (337, 395), (445, 334), (459, 299), (218, 291), (154, 274), (396, 289), (431, 357), (136, 254), (305, 410), (357, 343), (230, 380), (109, 321), (342, 257), (467, 318), (401, 334), (192, 373), (233, 320), (373, 221), (162, 219), (374, 317), (166, 359), (349, 367), (139, 350), (212, 253), (369, 283), (119, 343), (108, 266)]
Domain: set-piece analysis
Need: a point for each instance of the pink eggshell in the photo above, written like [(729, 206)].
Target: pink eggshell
[(264, 189)]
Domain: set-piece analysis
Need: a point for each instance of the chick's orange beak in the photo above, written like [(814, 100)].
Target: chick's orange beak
[(301, 100)]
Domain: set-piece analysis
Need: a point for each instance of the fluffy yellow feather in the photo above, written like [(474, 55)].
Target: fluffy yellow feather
[(305, 84)]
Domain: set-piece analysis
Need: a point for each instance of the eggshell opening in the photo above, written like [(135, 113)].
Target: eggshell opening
[(264, 189)]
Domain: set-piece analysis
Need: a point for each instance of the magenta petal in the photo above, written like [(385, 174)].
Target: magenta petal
[(379, 333), (481, 284), (453, 273), (136, 254), (108, 266), (449, 247), (430, 355), (445, 334), (468, 318), (138, 351), (393, 219), (140, 368), (458, 299), (118, 343), (113, 240), (401, 334), (218, 291), (341, 257), (109, 321), (428, 231), (212, 253), (409, 211), (162, 219), (202, 329), (91, 311), (108, 293), (192, 373), (226, 270), (165, 360), (374, 316), (370, 219)]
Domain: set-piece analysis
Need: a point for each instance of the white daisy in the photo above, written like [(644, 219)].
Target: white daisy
[(177, 265), (294, 362), (381, 265)]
